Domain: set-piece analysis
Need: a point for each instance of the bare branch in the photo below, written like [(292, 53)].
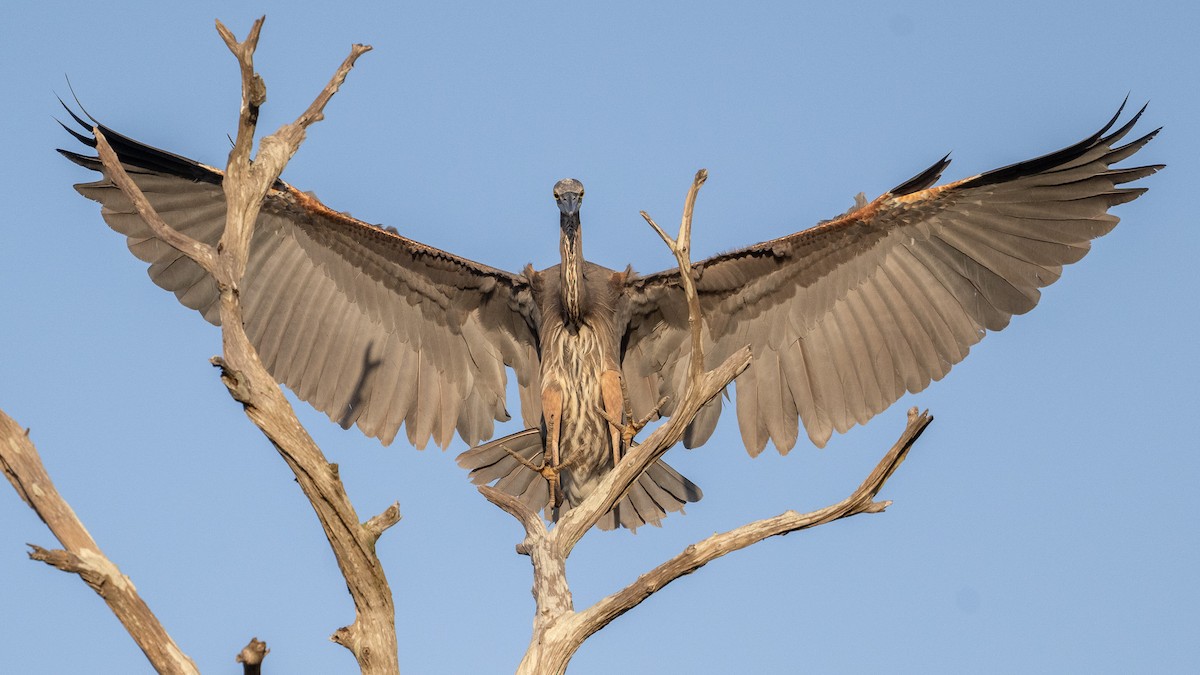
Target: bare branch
[(534, 527), (681, 247), (682, 250), (556, 641), (254, 90), (667, 239), (379, 524), (204, 255), (251, 656), (292, 135), (274, 151), (701, 553), (24, 469)]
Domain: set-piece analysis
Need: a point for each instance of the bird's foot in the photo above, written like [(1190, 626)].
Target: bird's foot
[(548, 470), (551, 472), (633, 427)]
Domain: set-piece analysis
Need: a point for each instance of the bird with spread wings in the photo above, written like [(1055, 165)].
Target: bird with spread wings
[(380, 331)]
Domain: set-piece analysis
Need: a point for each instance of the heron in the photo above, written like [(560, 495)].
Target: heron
[(383, 332)]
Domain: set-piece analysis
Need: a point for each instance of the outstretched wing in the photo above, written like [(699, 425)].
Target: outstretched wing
[(369, 327), (847, 316)]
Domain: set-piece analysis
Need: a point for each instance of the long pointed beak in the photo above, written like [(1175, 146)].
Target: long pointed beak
[(568, 203)]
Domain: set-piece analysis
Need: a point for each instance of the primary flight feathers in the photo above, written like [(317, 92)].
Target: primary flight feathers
[(843, 318)]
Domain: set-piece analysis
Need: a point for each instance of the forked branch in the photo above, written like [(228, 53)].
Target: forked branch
[(703, 552), (81, 555), (558, 630), (372, 635)]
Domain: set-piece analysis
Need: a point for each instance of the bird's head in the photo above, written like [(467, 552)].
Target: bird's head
[(568, 193)]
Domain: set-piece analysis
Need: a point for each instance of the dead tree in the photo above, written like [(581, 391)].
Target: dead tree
[(372, 636), (558, 629)]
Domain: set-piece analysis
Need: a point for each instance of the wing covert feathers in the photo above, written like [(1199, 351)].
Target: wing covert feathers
[(370, 327)]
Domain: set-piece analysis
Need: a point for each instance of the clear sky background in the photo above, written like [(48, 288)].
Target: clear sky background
[(1046, 522)]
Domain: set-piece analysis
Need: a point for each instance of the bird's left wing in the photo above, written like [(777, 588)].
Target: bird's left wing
[(847, 316), (368, 326)]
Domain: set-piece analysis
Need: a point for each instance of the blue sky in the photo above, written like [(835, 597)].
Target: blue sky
[(1044, 523)]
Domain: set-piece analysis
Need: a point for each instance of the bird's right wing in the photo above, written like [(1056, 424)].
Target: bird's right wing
[(847, 316), (369, 327)]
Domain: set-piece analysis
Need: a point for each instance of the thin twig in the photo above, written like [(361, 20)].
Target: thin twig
[(681, 248)]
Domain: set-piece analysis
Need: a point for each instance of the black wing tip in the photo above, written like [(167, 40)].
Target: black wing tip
[(85, 161), (922, 180), (1138, 142), (131, 152), (78, 120), (1120, 133), (137, 154), (86, 140), (1116, 116), (1047, 162)]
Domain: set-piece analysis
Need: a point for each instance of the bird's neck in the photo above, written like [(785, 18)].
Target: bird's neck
[(571, 247)]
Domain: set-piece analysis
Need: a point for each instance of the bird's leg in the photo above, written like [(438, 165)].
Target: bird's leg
[(614, 412), (550, 473), (633, 427), (552, 402)]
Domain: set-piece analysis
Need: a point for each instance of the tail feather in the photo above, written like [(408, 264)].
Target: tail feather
[(497, 461), (657, 492)]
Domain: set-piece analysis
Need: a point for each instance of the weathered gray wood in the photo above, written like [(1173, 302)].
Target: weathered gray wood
[(24, 469), (372, 635)]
